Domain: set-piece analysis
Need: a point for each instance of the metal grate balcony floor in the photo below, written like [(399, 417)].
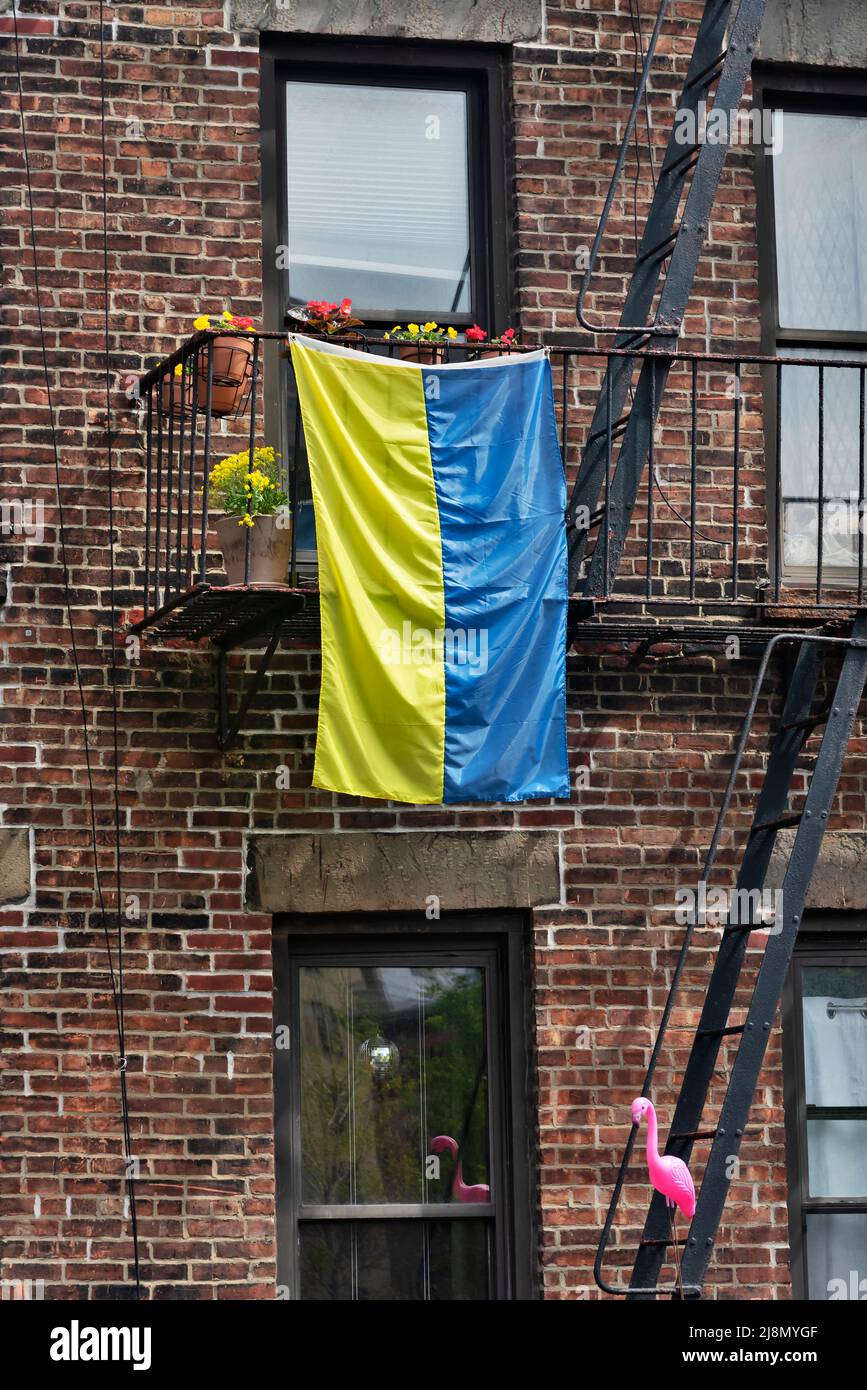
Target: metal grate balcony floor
[(230, 615)]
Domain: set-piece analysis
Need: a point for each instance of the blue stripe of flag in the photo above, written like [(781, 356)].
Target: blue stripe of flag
[(502, 496)]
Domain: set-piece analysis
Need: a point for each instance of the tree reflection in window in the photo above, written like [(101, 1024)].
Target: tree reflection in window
[(390, 1058)]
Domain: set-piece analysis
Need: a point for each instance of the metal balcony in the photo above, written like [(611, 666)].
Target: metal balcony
[(715, 533)]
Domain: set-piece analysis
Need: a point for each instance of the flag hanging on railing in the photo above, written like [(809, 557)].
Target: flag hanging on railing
[(439, 499)]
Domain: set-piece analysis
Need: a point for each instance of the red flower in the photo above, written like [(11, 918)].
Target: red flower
[(476, 334), (346, 307), (243, 323), (508, 335)]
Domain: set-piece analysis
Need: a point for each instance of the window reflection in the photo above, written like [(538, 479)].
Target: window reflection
[(378, 196), (391, 1059)]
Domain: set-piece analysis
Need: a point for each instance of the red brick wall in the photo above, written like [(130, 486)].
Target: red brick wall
[(185, 232)]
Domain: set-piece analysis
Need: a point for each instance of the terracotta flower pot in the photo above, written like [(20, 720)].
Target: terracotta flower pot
[(232, 356), (495, 352), (270, 549), (178, 395), (430, 354)]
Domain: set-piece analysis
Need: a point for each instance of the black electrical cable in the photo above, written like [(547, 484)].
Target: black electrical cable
[(648, 124), (112, 539), (116, 998)]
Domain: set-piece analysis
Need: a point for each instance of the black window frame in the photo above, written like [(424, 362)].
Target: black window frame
[(809, 91), (837, 939), (501, 944), (480, 69)]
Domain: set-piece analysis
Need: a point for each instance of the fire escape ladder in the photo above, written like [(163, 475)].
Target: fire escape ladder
[(725, 67), (772, 814)]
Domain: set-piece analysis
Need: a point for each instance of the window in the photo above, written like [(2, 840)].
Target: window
[(816, 193), (384, 181), (378, 198), (826, 1114), (401, 1149), (387, 180)]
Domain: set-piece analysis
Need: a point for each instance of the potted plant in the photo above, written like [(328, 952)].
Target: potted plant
[(252, 502), (504, 342), (423, 343), (323, 316), (232, 354)]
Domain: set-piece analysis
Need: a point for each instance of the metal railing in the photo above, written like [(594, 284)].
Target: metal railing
[(715, 527)]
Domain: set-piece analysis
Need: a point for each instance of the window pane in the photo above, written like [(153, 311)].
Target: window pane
[(835, 1035), (820, 208), (836, 1255), (393, 1058), (394, 1260), (378, 204), (837, 1157), (800, 463)]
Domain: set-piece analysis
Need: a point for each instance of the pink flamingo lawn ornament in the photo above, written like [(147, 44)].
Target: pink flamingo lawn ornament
[(477, 1192), (669, 1175)]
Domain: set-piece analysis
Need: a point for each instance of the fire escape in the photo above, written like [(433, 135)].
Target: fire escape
[(604, 502), (663, 505)]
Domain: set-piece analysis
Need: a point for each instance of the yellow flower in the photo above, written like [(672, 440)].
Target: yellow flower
[(429, 327), (227, 317), (179, 371), (452, 332), (413, 328), (201, 323)]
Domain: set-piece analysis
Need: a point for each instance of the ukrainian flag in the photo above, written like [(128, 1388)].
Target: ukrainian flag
[(440, 502)]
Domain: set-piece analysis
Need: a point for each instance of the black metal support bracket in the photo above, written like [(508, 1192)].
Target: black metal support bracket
[(254, 628), (228, 725)]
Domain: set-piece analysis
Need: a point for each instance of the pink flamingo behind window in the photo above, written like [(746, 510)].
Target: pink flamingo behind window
[(461, 1192), (669, 1175)]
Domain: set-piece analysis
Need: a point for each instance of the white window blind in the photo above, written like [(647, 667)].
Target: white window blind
[(378, 197)]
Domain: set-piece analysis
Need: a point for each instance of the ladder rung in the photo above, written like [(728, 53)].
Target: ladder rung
[(595, 519), (681, 1240), (780, 823), (617, 428), (709, 72), (693, 152), (693, 1136), (811, 721), (659, 247), (632, 338), (721, 1032)]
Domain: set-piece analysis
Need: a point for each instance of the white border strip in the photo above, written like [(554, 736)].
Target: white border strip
[(322, 345)]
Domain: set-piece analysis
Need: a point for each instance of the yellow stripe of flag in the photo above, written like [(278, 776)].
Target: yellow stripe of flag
[(382, 712)]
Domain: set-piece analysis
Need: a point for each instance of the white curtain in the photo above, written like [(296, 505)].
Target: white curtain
[(835, 1050), (837, 1256)]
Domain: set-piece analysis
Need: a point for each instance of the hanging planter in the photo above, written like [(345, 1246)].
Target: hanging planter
[(232, 371), (232, 357), (425, 344), (177, 392), (251, 502)]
